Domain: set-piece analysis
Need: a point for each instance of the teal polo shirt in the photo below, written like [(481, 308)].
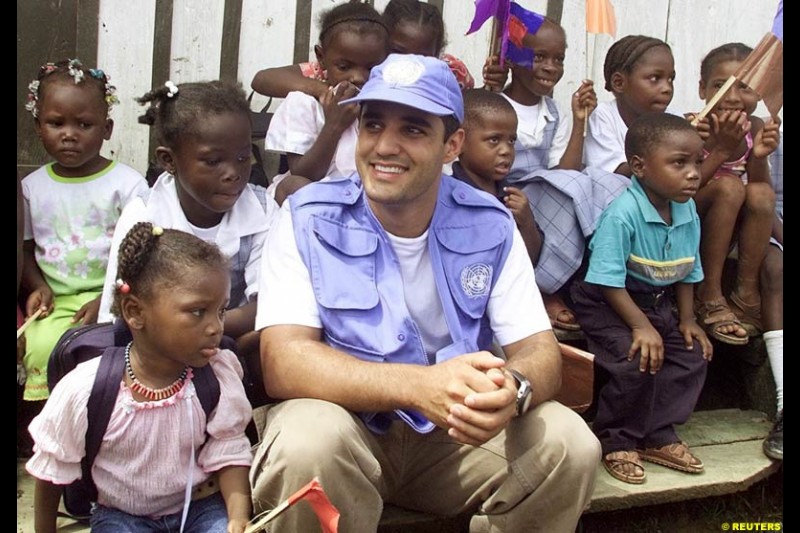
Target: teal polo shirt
[(631, 239)]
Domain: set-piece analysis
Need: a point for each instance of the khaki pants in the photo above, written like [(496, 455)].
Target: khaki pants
[(537, 475)]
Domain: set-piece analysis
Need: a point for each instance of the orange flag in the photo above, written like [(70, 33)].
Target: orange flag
[(762, 71), (600, 17)]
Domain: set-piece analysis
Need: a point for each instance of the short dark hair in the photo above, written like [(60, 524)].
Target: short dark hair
[(424, 14), (650, 129), (352, 16), (725, 52), (479, 103)]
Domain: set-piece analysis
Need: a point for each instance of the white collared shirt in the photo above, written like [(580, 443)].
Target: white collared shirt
[(531, 121), (246, 217)]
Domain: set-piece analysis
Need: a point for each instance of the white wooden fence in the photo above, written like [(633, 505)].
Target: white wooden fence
[(126, 31)]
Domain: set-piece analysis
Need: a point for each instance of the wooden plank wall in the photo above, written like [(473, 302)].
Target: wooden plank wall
[(141, 43)]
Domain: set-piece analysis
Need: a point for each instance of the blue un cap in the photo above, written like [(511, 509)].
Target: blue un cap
[(422, 82)]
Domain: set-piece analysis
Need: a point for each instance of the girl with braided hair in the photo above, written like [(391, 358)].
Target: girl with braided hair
[(173, 292), (639, 72), (71, 206)]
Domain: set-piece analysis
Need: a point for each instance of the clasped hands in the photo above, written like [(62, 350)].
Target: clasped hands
[(471, 396)]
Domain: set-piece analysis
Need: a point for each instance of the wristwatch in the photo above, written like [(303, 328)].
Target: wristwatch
[(524, 391)]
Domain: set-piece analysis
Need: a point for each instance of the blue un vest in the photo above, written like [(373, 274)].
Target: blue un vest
[(357, 282)]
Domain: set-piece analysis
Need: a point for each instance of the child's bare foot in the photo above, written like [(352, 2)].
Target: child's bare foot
[(560, 315)]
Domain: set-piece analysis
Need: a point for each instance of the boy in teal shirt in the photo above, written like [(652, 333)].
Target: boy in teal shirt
[(644, 253)]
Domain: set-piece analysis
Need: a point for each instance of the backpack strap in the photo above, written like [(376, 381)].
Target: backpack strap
[(104, 395), (122, 335), (101, 404), (206, 385)]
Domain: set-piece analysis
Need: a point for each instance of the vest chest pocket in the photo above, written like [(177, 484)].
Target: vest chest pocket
[(471, 258), (342, 265)]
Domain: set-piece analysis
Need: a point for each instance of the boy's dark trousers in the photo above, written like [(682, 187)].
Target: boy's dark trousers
[(637, 409)]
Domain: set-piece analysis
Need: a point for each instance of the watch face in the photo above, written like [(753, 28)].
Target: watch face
[(523, 392)]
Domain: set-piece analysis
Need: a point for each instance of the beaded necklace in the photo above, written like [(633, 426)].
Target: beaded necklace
[(144, 390)]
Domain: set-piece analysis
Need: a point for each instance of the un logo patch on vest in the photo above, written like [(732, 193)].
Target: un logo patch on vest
[(476, 279)]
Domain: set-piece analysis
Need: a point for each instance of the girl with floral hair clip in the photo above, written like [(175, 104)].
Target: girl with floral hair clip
[(71, 208)]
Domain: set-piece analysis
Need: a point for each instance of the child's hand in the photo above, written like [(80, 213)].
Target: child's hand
[(692, 330), (237, 525), (516, 201), (39, 299), (495, 76), (584, 101), (727, 130), (703, 126), (338, 116), (88, 312), (648, 343), (767, 139)]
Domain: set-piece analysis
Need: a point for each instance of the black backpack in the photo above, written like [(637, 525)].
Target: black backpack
[(108, 340)]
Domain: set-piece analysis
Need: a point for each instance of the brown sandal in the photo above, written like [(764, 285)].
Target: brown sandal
[(713, 314), (615, 462), (675, 455), (748, 314)]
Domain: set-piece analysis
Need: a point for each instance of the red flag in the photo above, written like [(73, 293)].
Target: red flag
[(312, 492), (328, 514), (600, 17), (762, 71)]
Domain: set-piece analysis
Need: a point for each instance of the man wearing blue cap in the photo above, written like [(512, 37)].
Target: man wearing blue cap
[(382, 296)]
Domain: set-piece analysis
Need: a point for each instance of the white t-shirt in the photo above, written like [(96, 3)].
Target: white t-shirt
[(531, 121), (515, 306), (604, 145), (296, 125), (72, 220), (246, 217)]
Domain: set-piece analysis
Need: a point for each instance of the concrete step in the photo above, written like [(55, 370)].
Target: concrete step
[(729, 443)]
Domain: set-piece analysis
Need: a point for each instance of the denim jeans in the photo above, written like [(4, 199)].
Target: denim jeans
[(207, 515)]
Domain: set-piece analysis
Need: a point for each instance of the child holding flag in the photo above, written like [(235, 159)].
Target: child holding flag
[(549, 148), (736, 202)]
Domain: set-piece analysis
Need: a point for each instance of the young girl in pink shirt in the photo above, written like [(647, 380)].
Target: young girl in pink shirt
[(162, 465)]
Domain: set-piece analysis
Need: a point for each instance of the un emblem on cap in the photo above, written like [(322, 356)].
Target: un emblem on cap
[(476, 279), (403, 72)]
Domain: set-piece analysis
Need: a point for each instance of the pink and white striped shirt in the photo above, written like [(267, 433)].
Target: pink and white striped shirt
[(141, 467)]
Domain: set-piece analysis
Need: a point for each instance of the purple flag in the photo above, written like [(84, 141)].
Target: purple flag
[(521, 22), (484, 9), (513, 22)]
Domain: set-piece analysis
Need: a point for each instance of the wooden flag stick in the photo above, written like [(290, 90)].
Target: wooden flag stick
[(28, 322), (494, 46), (588, 76), (714, 99), (258, 523)]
